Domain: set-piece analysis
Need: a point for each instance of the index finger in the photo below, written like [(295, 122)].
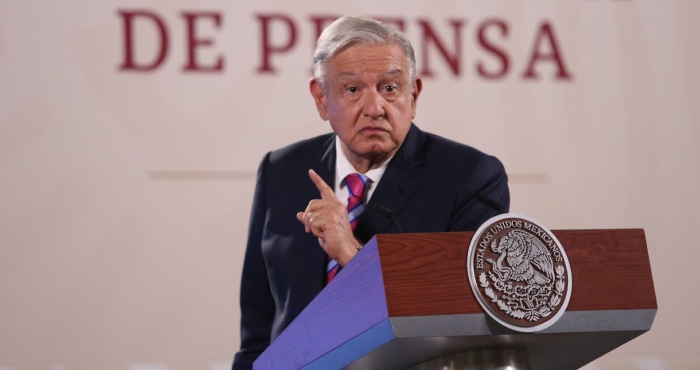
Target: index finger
[(326, 192)]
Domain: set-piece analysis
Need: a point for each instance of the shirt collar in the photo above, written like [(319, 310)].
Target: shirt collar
[(343, 167)]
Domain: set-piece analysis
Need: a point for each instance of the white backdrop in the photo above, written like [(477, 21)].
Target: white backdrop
[(125, 194)]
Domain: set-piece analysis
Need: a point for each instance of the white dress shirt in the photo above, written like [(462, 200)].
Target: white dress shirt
[(343, 167)]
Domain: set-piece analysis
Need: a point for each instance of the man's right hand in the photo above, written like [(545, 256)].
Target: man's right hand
[(327, 219)]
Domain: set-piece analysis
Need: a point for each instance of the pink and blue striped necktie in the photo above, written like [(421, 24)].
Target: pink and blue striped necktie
[(357, 186)]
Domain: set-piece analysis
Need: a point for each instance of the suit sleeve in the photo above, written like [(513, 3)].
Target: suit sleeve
[(257, 303), (485, 195)]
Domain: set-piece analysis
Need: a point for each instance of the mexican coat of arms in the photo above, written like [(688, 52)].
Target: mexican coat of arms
[(519, 272)]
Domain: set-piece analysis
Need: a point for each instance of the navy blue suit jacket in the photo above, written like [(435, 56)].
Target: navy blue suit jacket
[(431, 184)]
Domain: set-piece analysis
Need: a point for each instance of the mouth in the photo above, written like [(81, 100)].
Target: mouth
[(373, 130)]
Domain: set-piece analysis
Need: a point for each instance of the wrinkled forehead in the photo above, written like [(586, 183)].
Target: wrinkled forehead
[(378, 61)]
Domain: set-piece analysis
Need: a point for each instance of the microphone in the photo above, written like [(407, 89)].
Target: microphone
[(490, 203), (386, 212)]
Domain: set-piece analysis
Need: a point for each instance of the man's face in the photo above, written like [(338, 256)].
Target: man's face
[(369, 101)]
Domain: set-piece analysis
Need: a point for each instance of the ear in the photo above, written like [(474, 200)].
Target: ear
[(417, 88), (319, 98)]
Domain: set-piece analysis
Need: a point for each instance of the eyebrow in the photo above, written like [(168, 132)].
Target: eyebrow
[(393, 72)]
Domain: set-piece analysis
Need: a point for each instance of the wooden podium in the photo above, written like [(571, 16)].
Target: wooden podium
[(405, 299)]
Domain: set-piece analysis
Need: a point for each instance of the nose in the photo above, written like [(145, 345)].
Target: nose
[(373, 105)]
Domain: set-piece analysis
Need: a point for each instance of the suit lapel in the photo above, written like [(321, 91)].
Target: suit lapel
[(324, 167), (326, 164), (398, 184)]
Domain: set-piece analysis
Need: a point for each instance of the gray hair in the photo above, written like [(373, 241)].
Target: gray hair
[(348, 31)]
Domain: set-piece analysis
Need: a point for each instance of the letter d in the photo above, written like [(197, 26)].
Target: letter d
[(129, 63)]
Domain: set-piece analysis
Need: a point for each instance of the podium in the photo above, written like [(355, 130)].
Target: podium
[(405, 299)]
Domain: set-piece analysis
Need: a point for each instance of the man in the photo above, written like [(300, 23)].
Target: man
[(365, 85)]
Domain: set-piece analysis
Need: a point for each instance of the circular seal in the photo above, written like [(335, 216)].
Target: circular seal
[(519, 272)]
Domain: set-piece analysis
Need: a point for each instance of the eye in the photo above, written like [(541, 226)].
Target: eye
[(352, 89), (390, 88)]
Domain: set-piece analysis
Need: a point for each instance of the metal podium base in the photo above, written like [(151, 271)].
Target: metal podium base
[(488, 359)]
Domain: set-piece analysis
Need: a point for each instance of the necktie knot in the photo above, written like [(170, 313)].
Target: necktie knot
[(356, 184)]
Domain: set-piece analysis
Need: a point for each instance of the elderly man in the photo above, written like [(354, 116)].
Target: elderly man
[(365, 85)]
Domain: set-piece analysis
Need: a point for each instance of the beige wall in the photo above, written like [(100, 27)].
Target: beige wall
[(125, 195)]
